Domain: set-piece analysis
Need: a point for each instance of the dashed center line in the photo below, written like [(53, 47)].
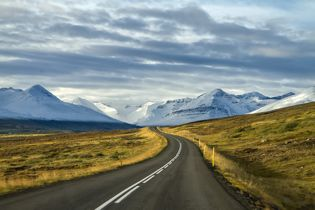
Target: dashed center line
[(126, 192)]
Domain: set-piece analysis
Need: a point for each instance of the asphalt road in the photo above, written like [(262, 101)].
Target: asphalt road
[(177, 179)]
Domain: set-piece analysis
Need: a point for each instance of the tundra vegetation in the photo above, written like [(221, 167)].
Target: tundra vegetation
[(30, 160)]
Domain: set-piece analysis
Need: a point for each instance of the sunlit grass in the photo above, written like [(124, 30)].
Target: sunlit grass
[(271, 155), (33, 160)]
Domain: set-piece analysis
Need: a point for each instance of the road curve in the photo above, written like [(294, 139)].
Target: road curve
[(177, 179)]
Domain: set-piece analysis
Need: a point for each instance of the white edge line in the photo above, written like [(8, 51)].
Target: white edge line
[(126, 195), (131, 186)]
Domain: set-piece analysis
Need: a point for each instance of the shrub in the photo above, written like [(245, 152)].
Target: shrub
[(290, 126)]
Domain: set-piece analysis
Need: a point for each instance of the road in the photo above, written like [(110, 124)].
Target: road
[(177, 179)]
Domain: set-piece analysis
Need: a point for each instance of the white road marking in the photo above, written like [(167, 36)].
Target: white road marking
[(134, 186), (126, 195), (159, 171), (113, 198), (148, 179)]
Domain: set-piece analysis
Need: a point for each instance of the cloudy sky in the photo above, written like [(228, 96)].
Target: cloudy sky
[(131, 51)]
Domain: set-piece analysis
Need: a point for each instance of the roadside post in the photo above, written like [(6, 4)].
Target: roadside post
[(212, 156)]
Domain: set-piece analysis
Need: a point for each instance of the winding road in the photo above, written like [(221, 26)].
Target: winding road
[(176, 179)]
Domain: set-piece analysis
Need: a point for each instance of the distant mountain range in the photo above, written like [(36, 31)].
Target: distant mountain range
[(215, 104), (37, 103)]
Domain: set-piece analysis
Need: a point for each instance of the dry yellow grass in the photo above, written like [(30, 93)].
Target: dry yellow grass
[(270, 155), (34, 160)]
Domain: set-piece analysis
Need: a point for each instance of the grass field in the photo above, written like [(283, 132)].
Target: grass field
[(29, 160), (270, 155)]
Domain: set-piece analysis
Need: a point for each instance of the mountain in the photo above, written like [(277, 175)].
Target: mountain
[(86, 103), (97, 106), (108, 110), (283, 96), (38, 103), (132, 113), (216, 104), (306, 96), (128, 113)]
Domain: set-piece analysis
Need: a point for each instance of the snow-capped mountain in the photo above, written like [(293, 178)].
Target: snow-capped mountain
[(306, 96), (108, 110), (216, 104), (128, 113), (96, 106), (86, 103), (132, 113), (38, 103)]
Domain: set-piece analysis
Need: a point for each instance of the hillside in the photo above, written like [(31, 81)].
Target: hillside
[(270, 155)]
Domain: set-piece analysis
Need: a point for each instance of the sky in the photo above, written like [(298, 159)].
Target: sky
[(132, 51)]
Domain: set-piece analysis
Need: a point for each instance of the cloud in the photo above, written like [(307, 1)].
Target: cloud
[(133, 49), (129, 23), (202, 22), (72, 30)]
